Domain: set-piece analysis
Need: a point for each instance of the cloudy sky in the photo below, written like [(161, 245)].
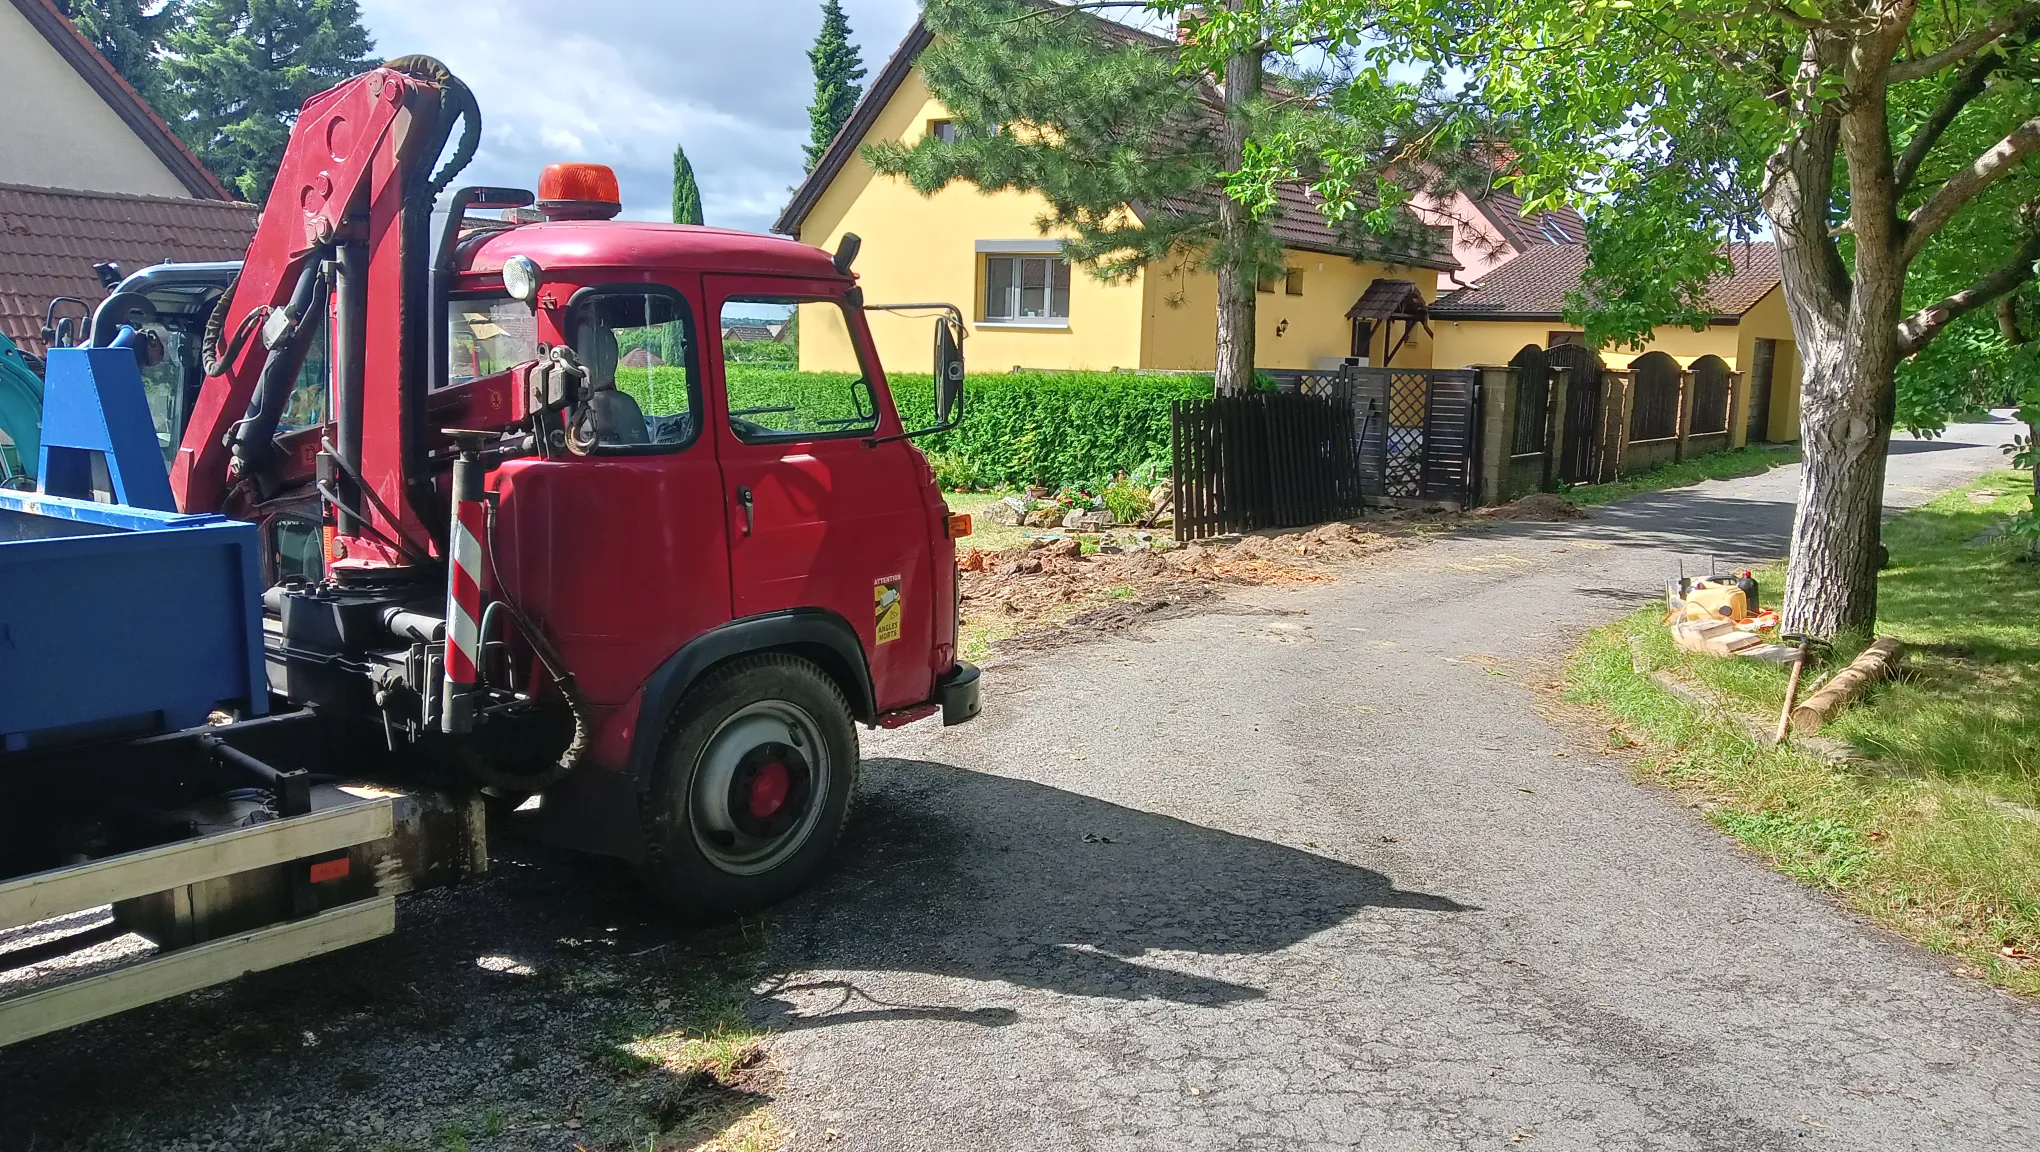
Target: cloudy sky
[(620, 82)]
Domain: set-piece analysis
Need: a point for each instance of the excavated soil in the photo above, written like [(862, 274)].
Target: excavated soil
[(1058, 596), (1536, 507)]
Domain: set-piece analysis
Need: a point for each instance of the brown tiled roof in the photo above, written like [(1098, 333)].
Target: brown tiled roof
[(1504, 210), (1298, 223), (1533, 286), (93, 68), (1385, 299), (50, 238)]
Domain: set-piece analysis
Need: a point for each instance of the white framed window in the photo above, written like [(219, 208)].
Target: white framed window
[(1027, 290)]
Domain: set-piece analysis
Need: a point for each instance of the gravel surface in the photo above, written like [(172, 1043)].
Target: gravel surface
[(1315, 871)]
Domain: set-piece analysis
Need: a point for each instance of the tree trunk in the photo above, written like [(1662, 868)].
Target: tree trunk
[(1846, 398), (1236, 248), (1846, 323)]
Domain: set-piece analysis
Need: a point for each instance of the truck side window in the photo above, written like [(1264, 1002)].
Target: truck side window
[(638, 346), (770, 397), (306, 407)]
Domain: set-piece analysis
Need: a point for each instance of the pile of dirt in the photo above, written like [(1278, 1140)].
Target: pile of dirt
[(1538, 507), (1056, 593)]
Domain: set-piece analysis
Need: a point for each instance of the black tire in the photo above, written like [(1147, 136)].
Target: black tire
[(716, 843)]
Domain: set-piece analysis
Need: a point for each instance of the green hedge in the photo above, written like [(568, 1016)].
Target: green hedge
[(1049, 428)]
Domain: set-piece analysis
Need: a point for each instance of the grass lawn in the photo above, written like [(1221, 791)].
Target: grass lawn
[(1932, 827), (1748, 460)]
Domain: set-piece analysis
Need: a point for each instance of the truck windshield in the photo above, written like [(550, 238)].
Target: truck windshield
[(765, 341), (487, 335)]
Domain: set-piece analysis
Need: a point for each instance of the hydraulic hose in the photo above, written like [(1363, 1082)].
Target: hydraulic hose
[(570, 689)]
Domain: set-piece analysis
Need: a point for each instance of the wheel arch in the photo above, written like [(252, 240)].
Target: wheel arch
[(814, 634)]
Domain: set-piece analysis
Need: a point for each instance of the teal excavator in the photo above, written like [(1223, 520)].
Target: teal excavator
[(21, 392)]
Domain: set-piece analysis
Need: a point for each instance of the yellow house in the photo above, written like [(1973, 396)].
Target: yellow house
[(1027, 308), (1522, 301)]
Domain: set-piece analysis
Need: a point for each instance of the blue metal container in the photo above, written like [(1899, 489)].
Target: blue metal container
[(117, 620)]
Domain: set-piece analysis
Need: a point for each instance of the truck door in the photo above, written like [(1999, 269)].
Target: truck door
[(818, 517)]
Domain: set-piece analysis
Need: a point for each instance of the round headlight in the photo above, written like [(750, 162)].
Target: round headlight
[(520, 277)]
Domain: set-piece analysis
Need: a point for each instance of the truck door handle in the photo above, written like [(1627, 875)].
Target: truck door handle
[(750, 512)]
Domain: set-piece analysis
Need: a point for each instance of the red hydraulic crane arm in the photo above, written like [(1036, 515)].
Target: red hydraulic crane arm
[(330, 172)]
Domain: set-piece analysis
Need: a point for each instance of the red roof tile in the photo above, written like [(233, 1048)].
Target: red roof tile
[(1533, 286), (51, 237)]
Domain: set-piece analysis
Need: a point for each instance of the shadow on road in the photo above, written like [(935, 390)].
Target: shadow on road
[(982, 877)]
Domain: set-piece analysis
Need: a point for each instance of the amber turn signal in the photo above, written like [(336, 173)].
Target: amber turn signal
[(959, 525)]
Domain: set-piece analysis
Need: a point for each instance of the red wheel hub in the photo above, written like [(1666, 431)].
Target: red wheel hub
[(769, 789)]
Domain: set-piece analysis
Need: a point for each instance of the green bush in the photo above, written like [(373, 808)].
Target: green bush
[(1046, 428), (761, 352)]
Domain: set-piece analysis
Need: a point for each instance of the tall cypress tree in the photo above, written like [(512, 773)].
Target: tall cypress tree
[(838, 70), (241, 69), (686, 193), (131, 35)]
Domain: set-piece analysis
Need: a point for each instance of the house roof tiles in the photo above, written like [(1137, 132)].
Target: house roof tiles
[(1504, 209), (1533, 286), (50, 238)]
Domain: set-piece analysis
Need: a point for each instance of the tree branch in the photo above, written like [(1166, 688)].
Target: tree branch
[(1967, 87), (1918, 329), (1924, 66), (1967, 184)]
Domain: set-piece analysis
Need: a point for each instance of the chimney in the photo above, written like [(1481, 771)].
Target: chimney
[(1186, 24)]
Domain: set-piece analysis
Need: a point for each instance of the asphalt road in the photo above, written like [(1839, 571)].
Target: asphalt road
[(1320, 872)]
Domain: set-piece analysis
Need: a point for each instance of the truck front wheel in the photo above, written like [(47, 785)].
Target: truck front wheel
[(753, 786)]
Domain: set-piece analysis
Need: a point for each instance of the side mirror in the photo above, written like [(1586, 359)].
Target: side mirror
[(948, 372)]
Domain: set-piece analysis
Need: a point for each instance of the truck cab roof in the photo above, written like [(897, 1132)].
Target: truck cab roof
[(638, 246)]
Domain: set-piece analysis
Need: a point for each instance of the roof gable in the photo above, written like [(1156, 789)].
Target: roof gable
[(121, 97)]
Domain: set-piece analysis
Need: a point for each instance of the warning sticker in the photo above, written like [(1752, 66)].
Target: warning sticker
[(885, 598)]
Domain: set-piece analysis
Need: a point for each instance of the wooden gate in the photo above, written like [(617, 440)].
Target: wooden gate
[(1579, 456), (1418, 432), (1266, 460), (1530, 376), (1762, 372), (1711, 384), (1654, 410)]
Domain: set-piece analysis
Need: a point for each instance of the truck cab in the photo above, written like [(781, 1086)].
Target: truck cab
[(419, 511)]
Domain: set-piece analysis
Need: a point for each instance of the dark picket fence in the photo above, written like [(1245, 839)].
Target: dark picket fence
[(1266, 460)]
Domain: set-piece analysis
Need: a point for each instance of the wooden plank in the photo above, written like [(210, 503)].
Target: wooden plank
[(64, 890), (189, 969), (1176, 468)]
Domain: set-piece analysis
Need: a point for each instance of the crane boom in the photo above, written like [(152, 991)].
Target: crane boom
[(346, 179)]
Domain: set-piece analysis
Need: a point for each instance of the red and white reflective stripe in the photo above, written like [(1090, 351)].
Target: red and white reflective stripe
[(464, 596)]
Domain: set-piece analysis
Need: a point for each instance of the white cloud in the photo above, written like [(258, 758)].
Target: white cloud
[(620, 82)]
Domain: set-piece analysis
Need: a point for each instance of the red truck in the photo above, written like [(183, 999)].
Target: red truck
[(527, 527)]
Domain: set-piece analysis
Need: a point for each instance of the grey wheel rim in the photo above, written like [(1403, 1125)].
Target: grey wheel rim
[(733, 782)]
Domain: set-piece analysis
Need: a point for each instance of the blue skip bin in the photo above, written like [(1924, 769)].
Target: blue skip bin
[(119, 621)]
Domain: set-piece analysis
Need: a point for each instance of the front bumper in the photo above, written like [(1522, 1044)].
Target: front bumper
[(958, 692)]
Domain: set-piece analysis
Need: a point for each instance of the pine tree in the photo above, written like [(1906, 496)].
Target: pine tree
[(241, 69), (1112, 121), (686, 193), (131, 35), (838, 68)]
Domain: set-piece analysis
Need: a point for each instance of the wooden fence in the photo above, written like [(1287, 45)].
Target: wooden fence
[(1266, 460)]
